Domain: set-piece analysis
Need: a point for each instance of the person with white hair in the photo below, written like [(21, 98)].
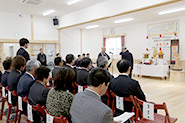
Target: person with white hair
[(27, 79), (125, 54)]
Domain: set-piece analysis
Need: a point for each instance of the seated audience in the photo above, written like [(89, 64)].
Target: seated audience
[(88, 55), (27, 79), (87, 106), (7, 66), (124, 86), (59, 100), (83, 55), (70, 60), (38, 91), (18, 65), (103, 63), (77, 62), (83, 72), (58, 64)]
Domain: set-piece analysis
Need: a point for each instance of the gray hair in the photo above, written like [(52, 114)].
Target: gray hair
[(31, 64), (102, 61)]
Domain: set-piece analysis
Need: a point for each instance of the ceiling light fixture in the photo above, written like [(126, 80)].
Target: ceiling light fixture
[(124, 20), (171, 11), (70, 2), (93, 26), (48, 12)]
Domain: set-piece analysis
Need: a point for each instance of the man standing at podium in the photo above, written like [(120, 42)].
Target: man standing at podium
[(103, 53)]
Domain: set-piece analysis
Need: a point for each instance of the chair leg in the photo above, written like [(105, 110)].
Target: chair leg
[(19, 118), (8, 116), (16, 112), (2, 108)]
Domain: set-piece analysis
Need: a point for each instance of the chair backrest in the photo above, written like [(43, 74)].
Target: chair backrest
[(127, 99), (60, 119), (163, 106), (75, 87)]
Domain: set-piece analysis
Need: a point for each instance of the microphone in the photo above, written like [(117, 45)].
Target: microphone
[(111, 53)]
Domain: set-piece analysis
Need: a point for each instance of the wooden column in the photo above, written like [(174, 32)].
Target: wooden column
[(81, 40), (32, 34), (59, 41)]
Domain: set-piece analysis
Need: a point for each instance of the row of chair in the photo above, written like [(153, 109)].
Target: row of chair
[(18, 113), (137, 108)]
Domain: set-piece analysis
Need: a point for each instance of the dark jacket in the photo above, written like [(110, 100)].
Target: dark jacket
[(38, 94), (4, 78), (82, 76), (128, 56), (13, 79), (24, 84), (56, 68), (42, 58), (124, 86), (23, 53)]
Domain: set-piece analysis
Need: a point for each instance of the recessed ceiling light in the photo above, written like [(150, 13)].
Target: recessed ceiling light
[(171, 11), (70, 2), (48, 12), (93, 26), (124, 20)]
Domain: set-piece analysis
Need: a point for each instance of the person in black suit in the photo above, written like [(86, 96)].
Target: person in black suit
[(58, 64), (7, 66), (125, 54), (18, 65), (77, 62), (124, 86), (27, 79), (22, 50), (41, 57), (83, 71), (38, 91), (103, 53)]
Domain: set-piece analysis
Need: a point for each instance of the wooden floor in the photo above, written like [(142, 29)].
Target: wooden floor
[(159, 91)]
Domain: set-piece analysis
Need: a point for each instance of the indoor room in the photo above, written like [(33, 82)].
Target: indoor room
[(141, 40)]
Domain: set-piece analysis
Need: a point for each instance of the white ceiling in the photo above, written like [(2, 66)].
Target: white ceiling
[(141, 16), (59, 5)]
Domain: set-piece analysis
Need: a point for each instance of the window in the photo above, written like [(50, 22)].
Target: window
[(113, 45)]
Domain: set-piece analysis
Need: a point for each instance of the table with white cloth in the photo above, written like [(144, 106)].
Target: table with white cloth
[(151, 70)]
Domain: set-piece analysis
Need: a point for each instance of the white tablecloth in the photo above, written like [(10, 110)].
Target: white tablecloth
[(151, 70)]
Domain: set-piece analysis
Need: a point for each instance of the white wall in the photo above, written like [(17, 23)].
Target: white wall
[(70, 42), (104, 9), (135, 38), (44, 29), (12, 23)]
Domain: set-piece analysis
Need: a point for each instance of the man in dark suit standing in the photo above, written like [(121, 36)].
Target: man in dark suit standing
[(124, 86), (22, 50), (125, 54), (41, 57)]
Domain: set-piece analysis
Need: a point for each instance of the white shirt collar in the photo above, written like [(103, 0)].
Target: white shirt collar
[(123, 74), (94, 92), (83, 68), (30, 75), (23, 47), (70, 65)]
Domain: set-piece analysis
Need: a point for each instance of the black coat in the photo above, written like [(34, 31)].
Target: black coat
[(42, 58), (23, 53), (13, 79), (128, 56), (124, 86), (82, 76)]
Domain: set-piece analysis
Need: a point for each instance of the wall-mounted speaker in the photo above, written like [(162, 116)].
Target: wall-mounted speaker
[(55, 22)]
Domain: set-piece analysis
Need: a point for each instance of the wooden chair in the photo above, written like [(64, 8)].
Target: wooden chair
[(24, 99), (4, 99), (13, 93), (50, 86), (60, 119), (127, 99), (75, 87), (158, 118), (39, 109)]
